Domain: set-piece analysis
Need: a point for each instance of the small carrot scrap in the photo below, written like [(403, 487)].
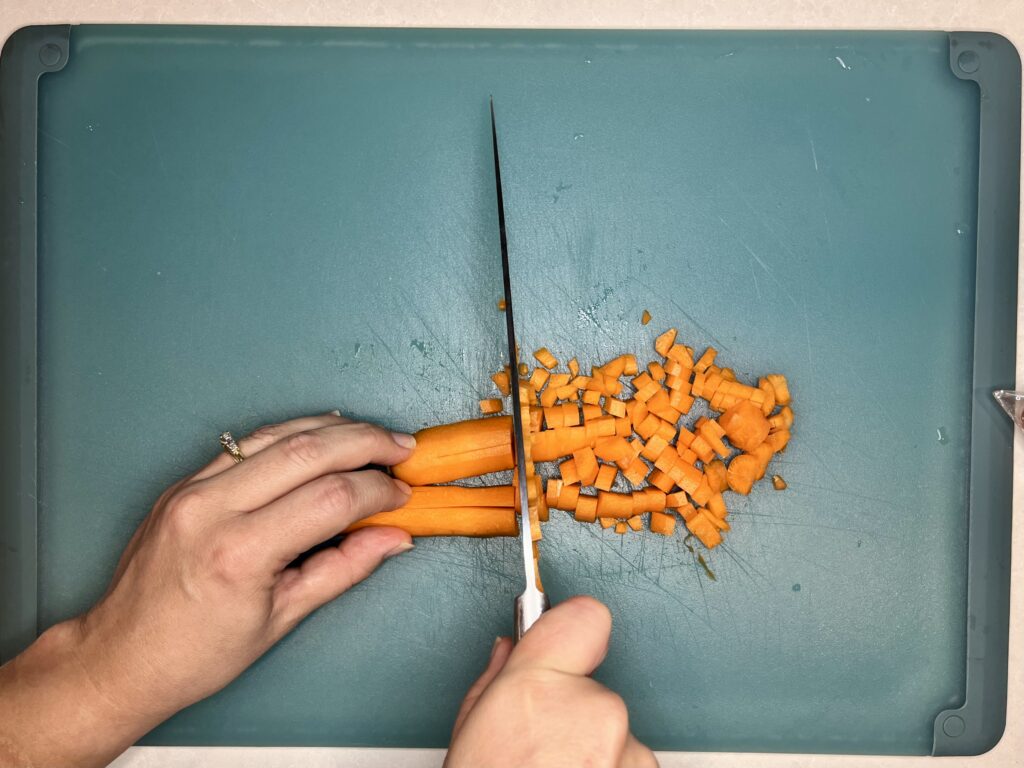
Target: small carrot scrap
[(491, 405), (621, 527), (501, 381), (778, 483), (781, 387), (636, 522), (501, 305), (645, 318), (545, 358), (606, 477)]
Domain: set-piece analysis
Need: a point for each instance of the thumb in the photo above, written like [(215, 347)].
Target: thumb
[(499, 655), (572, 638)]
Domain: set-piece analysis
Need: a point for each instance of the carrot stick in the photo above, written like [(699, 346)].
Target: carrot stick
[(454, 521), (463, 449), (449, 496)]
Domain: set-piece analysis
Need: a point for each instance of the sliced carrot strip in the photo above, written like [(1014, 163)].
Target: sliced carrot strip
[(463, 449), (457, 521), (451, 496)]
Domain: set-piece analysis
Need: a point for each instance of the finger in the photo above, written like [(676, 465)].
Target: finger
[(266, 436), (334, 570), (499, 655), (322, 508), (636, 755), (572, 637), (304, 456)]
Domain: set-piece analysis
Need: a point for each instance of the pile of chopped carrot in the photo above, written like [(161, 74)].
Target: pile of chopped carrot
[(627, 443)]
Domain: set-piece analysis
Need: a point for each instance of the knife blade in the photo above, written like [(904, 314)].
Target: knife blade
[(532, 602)]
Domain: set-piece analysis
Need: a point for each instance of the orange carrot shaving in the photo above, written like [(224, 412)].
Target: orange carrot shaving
[(645, 318)]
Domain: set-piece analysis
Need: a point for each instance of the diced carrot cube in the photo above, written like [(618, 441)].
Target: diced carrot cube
[(491, 405), (606, 477), (665, 341), (663, 523), (545, 358)]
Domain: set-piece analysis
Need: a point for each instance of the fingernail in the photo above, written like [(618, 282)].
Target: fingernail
[(402, 486), (404, 440), (335, 412), (494, 648), (405, 546)]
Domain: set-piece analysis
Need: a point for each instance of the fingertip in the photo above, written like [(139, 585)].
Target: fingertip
[(403, 486), (593, 611), (404, 440)]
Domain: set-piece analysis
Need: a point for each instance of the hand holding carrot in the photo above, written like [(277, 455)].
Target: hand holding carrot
[(204, 588), (535, 705)]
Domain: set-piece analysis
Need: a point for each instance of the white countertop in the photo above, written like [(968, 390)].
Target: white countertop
[(1003, 16)]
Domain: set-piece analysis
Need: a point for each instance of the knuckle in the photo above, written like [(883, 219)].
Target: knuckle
[(184, 510), (268, 433), (337, 492), (370, 434), (303, 448), (229, 559)]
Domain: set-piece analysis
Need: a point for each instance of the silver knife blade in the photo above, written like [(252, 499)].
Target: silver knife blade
[(532, 602)]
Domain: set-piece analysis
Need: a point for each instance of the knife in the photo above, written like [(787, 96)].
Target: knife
[(532, 602)]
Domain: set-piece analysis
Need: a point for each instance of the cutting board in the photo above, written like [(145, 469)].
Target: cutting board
[(231, 226)]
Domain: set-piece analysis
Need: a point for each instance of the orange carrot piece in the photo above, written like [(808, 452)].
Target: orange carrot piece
[(556, 380), (567, 392), (569, 472), (463, 449), (614, 367), (769, 396), (646, 387), (592, 397), (715, 471), (645, 318), (602, 426), (623, 427), (542, 502), (551, 491), (778, 440), (763, 455), (661, 480), (491, 405), (586, 465), (611, 504), (697, 387), (686, 437), (664, 342), (612, 448), (745, 425), (682, 354), (688, 456), (729, 374), (638, 413), (448, 521), (536, 419), (606, 477), (636, 522), (586, 509), (631, 368), (654, 499), (654, 448), (501, 381), (570, 415), (782, 420), (552, 444), (705, 360), (662, 523), (606, 522), (579, 382), (615, 407), (702, 448), (781, 387), (687, 511), (545, 358), (742, 473), (574, 367), (648, 427), (554, 417), (548, 397), (452, 496), (701, 527), (591, 412), (656, 370), (501, 305), (717, 522), (686, 477), (716, 505), (621, 527), (666, 460), (568, 498), (711, 435), (676, 500), (703, 492), (778, 483), (636, 471)]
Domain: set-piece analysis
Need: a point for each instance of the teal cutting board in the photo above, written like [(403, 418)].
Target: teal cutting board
[(237, 226)]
